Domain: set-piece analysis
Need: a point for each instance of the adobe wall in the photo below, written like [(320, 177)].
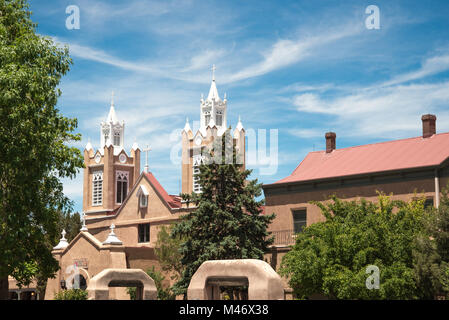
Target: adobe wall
[(283, 203)]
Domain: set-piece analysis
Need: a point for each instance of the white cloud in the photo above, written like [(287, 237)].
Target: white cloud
[(431, 66)]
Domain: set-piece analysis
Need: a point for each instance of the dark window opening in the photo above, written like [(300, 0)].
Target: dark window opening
[(299, 220), (144, 232)]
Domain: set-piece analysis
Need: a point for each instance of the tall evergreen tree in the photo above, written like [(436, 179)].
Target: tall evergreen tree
[(33, 141), (228, 222)]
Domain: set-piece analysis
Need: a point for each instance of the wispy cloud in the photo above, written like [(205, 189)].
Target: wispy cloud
[(430, 66)]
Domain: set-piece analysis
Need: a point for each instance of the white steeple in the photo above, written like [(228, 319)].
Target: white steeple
[(187, 126), (213, 92), (239, 126), (112, 131), (213, 109), (88, 145)]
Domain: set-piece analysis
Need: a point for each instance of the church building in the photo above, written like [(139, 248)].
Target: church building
[(124, 207)]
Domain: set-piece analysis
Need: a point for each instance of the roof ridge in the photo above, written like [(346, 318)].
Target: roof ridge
[(382, 142)]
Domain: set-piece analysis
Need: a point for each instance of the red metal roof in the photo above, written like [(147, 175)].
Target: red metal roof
[(172, 200), (372, 158)]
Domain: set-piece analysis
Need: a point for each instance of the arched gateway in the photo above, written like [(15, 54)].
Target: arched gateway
[(263, 282), (98, 288)]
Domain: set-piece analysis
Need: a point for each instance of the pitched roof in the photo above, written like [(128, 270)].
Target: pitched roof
[(372, 158), (172, 200)]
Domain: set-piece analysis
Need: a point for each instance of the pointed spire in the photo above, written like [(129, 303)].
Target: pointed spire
[(62, 242), (112, 117), (135, 146), (239, 125), (213, 92), (187, 126), (88, 145), (112, 238)]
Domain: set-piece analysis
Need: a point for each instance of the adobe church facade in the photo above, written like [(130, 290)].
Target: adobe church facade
[(124, 207)]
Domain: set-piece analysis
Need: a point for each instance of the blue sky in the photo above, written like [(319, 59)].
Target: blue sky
[(301, 67)]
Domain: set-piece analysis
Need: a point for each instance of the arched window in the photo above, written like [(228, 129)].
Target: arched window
[(219, 118), (116, 138), (122, 178), (206, 118)]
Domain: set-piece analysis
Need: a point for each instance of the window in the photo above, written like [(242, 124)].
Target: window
[(121, 178), (144, 232), (206, 118), (97, 188), (219, 118), (299, 220), (116, 138), (143, 200)]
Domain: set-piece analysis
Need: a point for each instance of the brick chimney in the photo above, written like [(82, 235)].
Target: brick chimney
[(428, 125), (330, 141)]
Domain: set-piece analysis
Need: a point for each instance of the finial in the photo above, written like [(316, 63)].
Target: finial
[(83, 227), (62, 242), (112, 99), (148, 148), (224, 98), (112, 238), (213, 72)]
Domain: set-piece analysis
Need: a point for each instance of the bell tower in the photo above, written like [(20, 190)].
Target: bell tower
[(110, 173), (213, 124)]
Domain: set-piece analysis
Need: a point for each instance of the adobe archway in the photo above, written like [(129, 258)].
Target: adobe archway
[(263, 282), (98, 288)]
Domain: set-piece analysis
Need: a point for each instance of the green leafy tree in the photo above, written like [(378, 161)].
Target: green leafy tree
[(431, 254), (227, 222), (71, 294), (331, 257), (71, 223), (163, 293), (33, 140), (167, 252)]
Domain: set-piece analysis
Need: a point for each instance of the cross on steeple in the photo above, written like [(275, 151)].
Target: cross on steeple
[(148, 148)]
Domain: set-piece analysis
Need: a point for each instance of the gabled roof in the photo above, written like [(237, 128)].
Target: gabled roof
[(372, 158), (171, 200)]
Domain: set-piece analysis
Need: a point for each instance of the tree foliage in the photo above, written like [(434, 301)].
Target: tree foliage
[(331, 257), (71, 294), (163, 292), (431, 254), (167, 252), (227, 222), (33, 140)]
